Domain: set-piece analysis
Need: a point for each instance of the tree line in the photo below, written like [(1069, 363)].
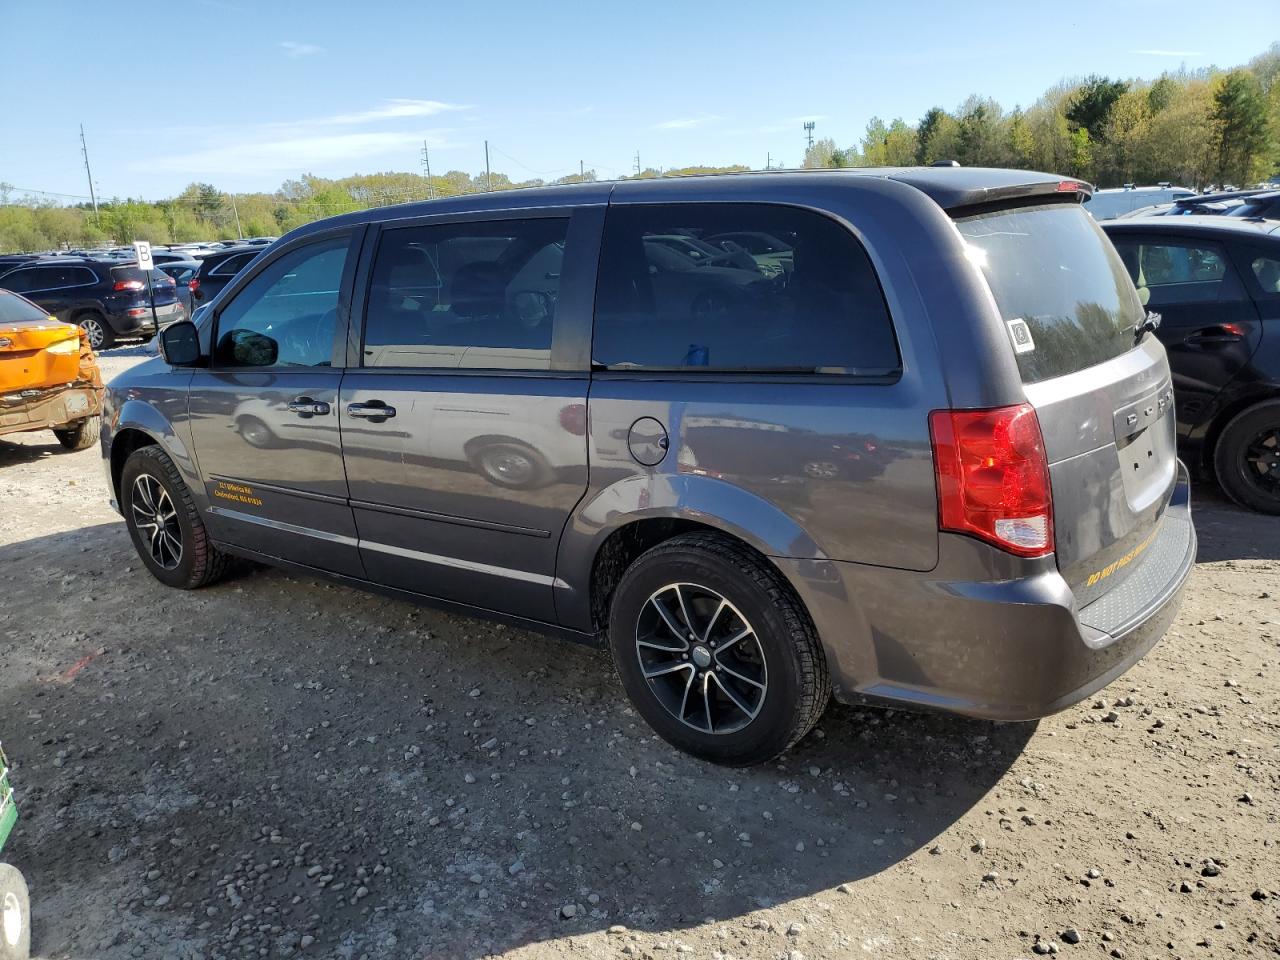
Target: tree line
[(1193, 128)]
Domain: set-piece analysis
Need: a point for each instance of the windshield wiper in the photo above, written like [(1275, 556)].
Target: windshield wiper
[(1149, 324)]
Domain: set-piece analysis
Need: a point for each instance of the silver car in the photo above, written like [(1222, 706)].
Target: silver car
[(928, 464)]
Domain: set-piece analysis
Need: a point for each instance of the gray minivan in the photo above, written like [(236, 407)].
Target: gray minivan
[(920, 454)]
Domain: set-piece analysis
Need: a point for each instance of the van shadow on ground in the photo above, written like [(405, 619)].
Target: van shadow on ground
[(331, 718)]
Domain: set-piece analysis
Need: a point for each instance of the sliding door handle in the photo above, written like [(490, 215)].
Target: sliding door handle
[(374, 410)]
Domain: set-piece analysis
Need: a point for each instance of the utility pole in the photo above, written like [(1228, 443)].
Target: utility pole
[(426, 165), (488, 180), (92, 194), (637, 163), (582, 170), (239, 232), (768, 162), (808, 129)]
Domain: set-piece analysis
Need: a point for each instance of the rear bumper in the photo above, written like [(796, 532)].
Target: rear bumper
[(50, 408), (1006, 644), (145, 324)]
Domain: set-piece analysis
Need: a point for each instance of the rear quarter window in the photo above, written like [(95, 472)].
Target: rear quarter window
[(677, 291), (1055, 276), (15, 309)]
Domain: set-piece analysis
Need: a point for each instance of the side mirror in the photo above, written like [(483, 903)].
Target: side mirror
[(180, 344)]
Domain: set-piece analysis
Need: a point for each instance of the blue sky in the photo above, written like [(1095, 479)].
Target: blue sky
[(249, 93)]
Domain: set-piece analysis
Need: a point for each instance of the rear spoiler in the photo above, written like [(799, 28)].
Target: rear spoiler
[(1022, 195)]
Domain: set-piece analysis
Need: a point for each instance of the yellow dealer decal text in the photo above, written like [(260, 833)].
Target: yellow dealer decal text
[(237, 492)]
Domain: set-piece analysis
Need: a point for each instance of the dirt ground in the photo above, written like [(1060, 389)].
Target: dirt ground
[(278, 767)]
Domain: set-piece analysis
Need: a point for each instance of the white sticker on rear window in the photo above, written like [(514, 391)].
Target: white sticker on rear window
[(1020, 334)]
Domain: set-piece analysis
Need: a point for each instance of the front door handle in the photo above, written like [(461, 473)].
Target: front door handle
[(374, 410), (306, 407), (1225, 333)]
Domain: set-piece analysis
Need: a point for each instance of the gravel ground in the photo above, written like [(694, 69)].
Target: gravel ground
[(279, 767)]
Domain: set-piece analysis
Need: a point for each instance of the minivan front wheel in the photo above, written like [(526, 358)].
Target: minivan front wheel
[(1247, 458), (716, 652), (165, 524)]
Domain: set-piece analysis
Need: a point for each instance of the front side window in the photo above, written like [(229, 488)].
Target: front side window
[(479, 295), (737, 287), (284, 317), (1165, 272)]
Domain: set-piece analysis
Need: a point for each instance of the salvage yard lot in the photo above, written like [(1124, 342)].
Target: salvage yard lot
[(278, 767)]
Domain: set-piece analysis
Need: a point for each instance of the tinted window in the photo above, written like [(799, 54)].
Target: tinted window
[(17, 310), (1177, 272), (1267, 271), (51, 278), (285, 316), (232, 265), (673, 294), (19, 281), (1059, 285), (465, 295)]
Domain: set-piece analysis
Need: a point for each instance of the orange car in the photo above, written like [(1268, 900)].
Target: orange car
[(49, 376)]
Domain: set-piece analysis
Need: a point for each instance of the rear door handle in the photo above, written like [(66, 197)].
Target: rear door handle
[(374, 410), (306, 407)]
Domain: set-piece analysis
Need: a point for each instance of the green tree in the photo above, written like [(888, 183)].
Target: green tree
[(1243, 140), (1093, 102)]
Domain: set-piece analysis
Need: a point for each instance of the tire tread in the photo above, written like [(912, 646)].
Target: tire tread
[(211, 564), (815, 675)]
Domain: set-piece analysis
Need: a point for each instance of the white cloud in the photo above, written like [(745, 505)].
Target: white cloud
[(392, 110), (293, 49), (1168, 53), (294, 154), (685, 123)]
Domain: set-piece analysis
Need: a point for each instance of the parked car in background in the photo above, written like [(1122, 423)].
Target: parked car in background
[(903, 469), (1261, 206), (49, 377), (10, 260), (1111, 203), (1215, 282), (183, 273), (108, 299), (219, 268), (168, 256)]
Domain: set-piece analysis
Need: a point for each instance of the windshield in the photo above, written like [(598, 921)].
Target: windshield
[(1061, 288)]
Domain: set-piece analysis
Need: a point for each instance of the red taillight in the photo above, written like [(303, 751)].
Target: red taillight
[(137, 312), (993, 477), (574, 419), (128, 285), (1070, 186)]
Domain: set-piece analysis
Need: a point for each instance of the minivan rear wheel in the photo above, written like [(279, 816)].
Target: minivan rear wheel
[(165, 524), (716, 652), (1247, 458)]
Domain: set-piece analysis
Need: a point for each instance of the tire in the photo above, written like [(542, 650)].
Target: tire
[(777, 672), (149, 474), (101, 336), (1246, 458), (15, 915), (80, 435)]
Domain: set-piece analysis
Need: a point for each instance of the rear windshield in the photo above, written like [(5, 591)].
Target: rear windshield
[(1062, 291), (15, 309)]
